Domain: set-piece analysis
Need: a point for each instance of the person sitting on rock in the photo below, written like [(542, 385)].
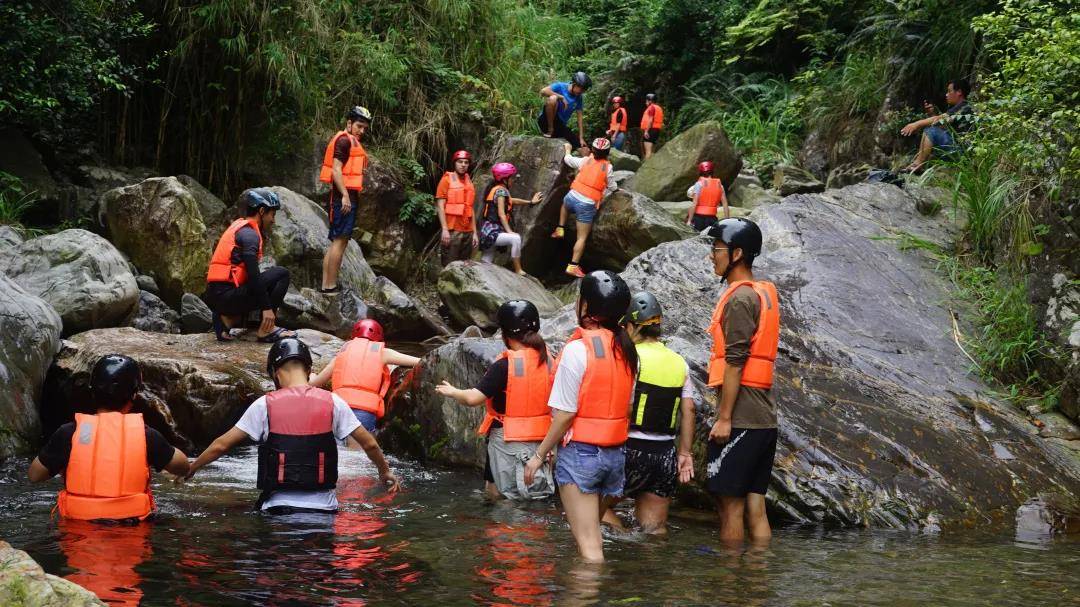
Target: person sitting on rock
[(561, 101), (454, 198), (514, 391), (106, 456), (496, 229), (652, 121), (707, 195), (592, 184), (745, 329), (360, 374), (343, 168), (940, 131), (663, 387), (234, 283), (617, 128), (298, 428)]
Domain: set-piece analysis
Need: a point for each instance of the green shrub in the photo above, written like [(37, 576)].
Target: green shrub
[(15, 199)]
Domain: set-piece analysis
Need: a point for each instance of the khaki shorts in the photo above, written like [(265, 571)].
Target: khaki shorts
[(507, 463)]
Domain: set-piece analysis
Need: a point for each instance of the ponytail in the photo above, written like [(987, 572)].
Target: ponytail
[(624, 346), (533, 340)]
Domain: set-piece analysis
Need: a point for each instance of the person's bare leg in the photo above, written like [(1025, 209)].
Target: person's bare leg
[(647, 146), (550, 104), (608, 516), (583, 230), (564, 215), (517, 264), (332, 261), (231, 322), (757, 519), (583, 514), (651, 512), (926, 148), (491, 491), (731, 518)]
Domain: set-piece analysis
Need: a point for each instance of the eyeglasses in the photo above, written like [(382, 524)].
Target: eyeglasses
[(715, 249)]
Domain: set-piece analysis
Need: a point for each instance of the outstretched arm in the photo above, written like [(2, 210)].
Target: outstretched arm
[(38, 472), (471, 397), (219, 447), (393, 357), (323, 378), (371, 448)]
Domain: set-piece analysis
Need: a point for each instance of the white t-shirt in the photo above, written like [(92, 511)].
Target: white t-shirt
[(564, 392), (687, 392), (255, 424), (576, 163)]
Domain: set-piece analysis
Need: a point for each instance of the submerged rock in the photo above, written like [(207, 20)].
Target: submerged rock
[(155, 315), (31, 336), (80, 274), (668, 172), (24, 583), (473, 292)]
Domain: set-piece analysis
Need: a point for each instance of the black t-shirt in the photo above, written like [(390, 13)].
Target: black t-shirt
[(493, 385), (342, 147), (55, 454)]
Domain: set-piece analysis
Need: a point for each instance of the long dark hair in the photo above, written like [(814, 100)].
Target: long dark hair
[(532, 340), (624, 346)]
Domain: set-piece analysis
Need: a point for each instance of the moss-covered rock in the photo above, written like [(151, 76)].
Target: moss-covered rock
[(473, 292), (669, 172), (23, 583)]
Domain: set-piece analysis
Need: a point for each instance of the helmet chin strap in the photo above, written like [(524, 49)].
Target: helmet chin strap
[(730, 264)]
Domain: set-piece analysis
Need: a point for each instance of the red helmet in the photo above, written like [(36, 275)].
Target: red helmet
[(462, 155), (368, 329), (616, 99), (705, 167)]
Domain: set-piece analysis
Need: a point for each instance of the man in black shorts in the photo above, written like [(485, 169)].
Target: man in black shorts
[(562, 100), (745, 330)]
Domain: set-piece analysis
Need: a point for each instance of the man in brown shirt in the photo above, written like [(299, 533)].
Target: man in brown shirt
[(742, 442)]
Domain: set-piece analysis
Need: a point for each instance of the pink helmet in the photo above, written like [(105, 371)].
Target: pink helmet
[(503, 170), (368, 329)]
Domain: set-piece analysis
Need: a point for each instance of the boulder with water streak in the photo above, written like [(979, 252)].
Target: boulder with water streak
[(391, 245), (668, 172), (622, 161), (473, 292)]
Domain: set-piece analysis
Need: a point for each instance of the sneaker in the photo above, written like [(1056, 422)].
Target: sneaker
[(575, 270), (559, 232)]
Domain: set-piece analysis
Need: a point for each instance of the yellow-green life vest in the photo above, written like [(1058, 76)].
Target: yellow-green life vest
[(661, 375)]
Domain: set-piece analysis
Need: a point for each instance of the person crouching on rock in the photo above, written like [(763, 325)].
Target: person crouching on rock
[(590, 400), (360, 374), (106, 457), (454, 198), (344, 162), (745, 329), (592, 184), (653, 464), (707, 195), (234, 283), (497, 227), (297, 427), (514, 391)]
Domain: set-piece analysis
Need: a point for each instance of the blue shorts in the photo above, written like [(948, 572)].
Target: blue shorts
[(367, 419), (618, 140), (591, 469), (940, 138), (584, 210), (342, 224)]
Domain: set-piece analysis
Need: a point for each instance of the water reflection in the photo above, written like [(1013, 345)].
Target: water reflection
[(104, 558), (515, 559)]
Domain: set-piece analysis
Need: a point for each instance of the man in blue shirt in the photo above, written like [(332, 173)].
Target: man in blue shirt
[(561, 101)]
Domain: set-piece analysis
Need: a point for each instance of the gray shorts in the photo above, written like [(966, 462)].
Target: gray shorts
[(507, 463)]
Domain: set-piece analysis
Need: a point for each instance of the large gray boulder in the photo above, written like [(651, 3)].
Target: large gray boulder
[(24, 583), (31, 336), (401, 316), (627, 225), (80, 274), (155, 315), (622, 161), (195, 387), (473, 292), (789, 179), (391, 246), (215, 214), (668, 172)]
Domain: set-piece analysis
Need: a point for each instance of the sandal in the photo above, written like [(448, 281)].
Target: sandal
[(278, 334), (222, 332), (333, 289)]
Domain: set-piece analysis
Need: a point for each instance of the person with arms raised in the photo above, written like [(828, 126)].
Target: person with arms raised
[(497, 229), (591, 186)]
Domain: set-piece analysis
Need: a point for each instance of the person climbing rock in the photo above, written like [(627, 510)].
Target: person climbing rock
[(497, 227), (360, 374), (454, 198), (617, 128), (588, 191), (653, 463), (514, 392), (561, 101), (941, 131), (652, 121), (234, 283), (343, 168), (106, 456), (590, 399), (745, 329), (708, 196), (297, 427)]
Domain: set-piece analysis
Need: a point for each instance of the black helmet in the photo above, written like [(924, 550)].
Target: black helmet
[(644, 309), (286, 349), (518, 317), (738, 233), (359, 112), (581, 79), (650, 97), (114, 380), (605, 294), (256, 198)]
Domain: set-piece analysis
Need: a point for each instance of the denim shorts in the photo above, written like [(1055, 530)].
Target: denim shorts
[(342, 224), (583, 209), (367, 419), (940, 138), (618, 141), (591, 469)]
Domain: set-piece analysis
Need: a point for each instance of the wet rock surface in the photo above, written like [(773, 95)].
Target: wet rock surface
[(24, 583), (622, 161), (667, 174), (473, 292), (391, 246)]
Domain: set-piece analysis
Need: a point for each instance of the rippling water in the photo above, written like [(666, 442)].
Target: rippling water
[(438, 542)]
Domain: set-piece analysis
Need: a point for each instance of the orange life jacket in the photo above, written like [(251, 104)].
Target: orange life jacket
[(528, 385), (591, 180), (360, 378), (758, 371), (604, 396), (709, 197), (657, 117), (353, 170), (459, 196), (222, 269), (489, 202), (107, 476), (618, 121)]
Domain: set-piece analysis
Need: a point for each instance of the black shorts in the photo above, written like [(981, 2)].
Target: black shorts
[(701, 222), (561, 130), (341, 223), (654, 136), (488, 475), (651, 467), (743, 464)]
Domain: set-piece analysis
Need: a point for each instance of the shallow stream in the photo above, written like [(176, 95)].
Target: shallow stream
[(439, 543)]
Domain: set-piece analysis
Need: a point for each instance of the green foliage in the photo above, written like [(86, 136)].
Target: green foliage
[(419, 209), (15, 199), (835, 93)]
